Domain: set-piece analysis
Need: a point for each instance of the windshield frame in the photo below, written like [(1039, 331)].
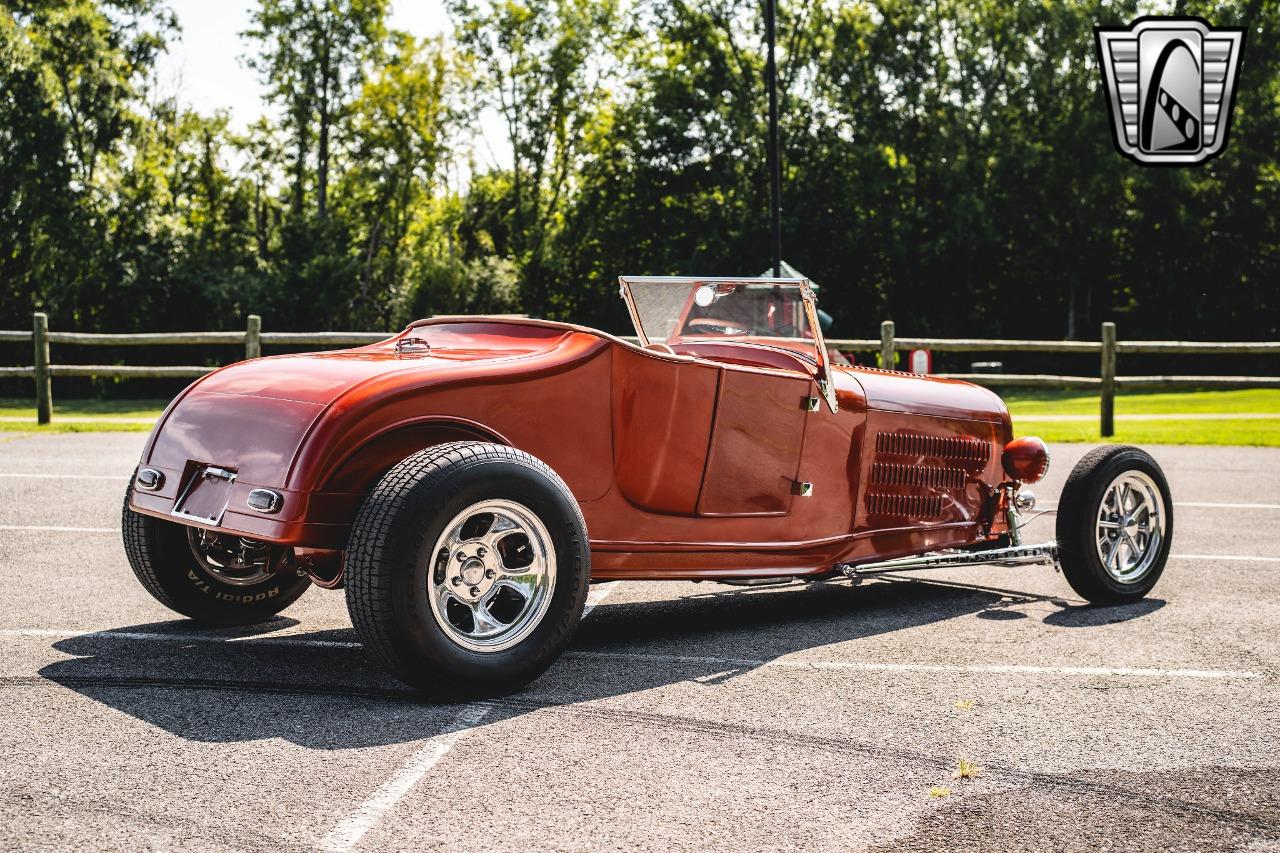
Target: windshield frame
[(823, 373)]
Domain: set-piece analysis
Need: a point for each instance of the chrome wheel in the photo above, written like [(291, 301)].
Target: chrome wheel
[(1130, 526), (231, 559), (492, 575)]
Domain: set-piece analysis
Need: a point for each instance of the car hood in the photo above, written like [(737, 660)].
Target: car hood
[(910, 393)]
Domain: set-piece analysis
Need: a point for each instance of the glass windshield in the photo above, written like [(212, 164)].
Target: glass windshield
[(673, 310)]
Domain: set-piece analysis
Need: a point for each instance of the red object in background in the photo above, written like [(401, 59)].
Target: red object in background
[(1025, 459), (921, 361)]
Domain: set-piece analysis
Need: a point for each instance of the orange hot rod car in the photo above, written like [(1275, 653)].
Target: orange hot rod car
[(467, 479)]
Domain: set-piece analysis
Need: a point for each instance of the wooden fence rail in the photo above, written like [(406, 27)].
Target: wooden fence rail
[(253, 339)]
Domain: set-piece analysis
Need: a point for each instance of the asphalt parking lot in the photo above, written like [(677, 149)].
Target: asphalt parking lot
[(685, 716)]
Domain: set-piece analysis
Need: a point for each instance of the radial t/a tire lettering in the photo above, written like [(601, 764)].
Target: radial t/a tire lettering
[(167, 560)]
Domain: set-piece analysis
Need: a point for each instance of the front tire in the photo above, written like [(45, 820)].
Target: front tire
[(1115, 525), (166, 557), (467, 569)]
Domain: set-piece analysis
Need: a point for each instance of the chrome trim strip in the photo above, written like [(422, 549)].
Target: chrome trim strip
[(1018, 555)]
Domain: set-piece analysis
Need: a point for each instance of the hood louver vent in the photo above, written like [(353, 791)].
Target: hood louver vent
[(905, 506), (919, 477), (973, 452), (890, 474)]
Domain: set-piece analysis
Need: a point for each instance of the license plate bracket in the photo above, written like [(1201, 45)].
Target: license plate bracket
[(206, 495)]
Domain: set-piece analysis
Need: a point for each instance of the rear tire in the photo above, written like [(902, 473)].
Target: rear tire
[(1115, 525), (467, 569), (161, 555)]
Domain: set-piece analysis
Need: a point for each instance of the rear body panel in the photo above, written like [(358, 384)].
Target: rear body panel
[(685, 466)]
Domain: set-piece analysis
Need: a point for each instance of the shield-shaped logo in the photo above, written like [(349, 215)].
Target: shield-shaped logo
[(1170, 84)]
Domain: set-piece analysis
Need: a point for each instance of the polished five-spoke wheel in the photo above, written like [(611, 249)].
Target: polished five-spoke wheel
[(1115, 524), (1130, 529), (493, 576), (467, 569)]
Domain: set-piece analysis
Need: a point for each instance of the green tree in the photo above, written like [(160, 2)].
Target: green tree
[(946, 162), (70, 105), (313, 56), (542, 68), (399, 126)]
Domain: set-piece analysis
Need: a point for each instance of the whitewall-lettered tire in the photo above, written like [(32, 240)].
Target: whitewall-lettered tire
[(217, 580)]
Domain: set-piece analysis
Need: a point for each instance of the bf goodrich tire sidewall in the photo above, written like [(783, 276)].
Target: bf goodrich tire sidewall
[(496, 479), (161, 556), (1083, 529)]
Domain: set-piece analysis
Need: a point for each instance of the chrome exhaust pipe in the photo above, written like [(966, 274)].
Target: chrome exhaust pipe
[(1017, 555)]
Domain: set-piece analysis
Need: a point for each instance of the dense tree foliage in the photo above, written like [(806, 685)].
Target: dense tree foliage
[(947, 163)]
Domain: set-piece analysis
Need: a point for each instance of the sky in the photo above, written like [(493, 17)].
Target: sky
[(205, 69)]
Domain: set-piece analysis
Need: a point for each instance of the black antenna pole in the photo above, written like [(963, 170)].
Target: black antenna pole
[(775, 166)]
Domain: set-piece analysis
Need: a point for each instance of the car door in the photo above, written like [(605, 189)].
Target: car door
[(757, 437), (662, 414)]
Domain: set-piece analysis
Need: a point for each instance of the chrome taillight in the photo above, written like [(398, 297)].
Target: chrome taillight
[(149, 479), (265, 500)]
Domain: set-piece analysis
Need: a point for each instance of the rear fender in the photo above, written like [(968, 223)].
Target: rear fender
[(364, 466)]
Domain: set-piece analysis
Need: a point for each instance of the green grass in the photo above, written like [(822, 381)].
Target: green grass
[(1257, 433), (80, 426), (1025, 405), (66, 410), (86, 408)]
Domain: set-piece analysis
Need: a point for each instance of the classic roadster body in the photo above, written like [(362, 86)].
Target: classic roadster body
[(724, 445)]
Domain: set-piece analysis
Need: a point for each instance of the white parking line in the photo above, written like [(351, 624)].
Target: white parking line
[(1197, 505), (965, 669), (743, 663), (1235, 557), (599, 593), (1203, 505), (347, 834)]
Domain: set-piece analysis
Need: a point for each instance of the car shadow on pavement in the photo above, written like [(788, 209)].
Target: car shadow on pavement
[(1090, 616), (318, 689)]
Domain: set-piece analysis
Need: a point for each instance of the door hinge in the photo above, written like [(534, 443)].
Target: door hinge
[(801, 489), (811, 404)]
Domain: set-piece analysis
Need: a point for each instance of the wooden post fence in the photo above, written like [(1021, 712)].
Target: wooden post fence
[(888, 355), (253, 337), (44, 387), (1108, 374)]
